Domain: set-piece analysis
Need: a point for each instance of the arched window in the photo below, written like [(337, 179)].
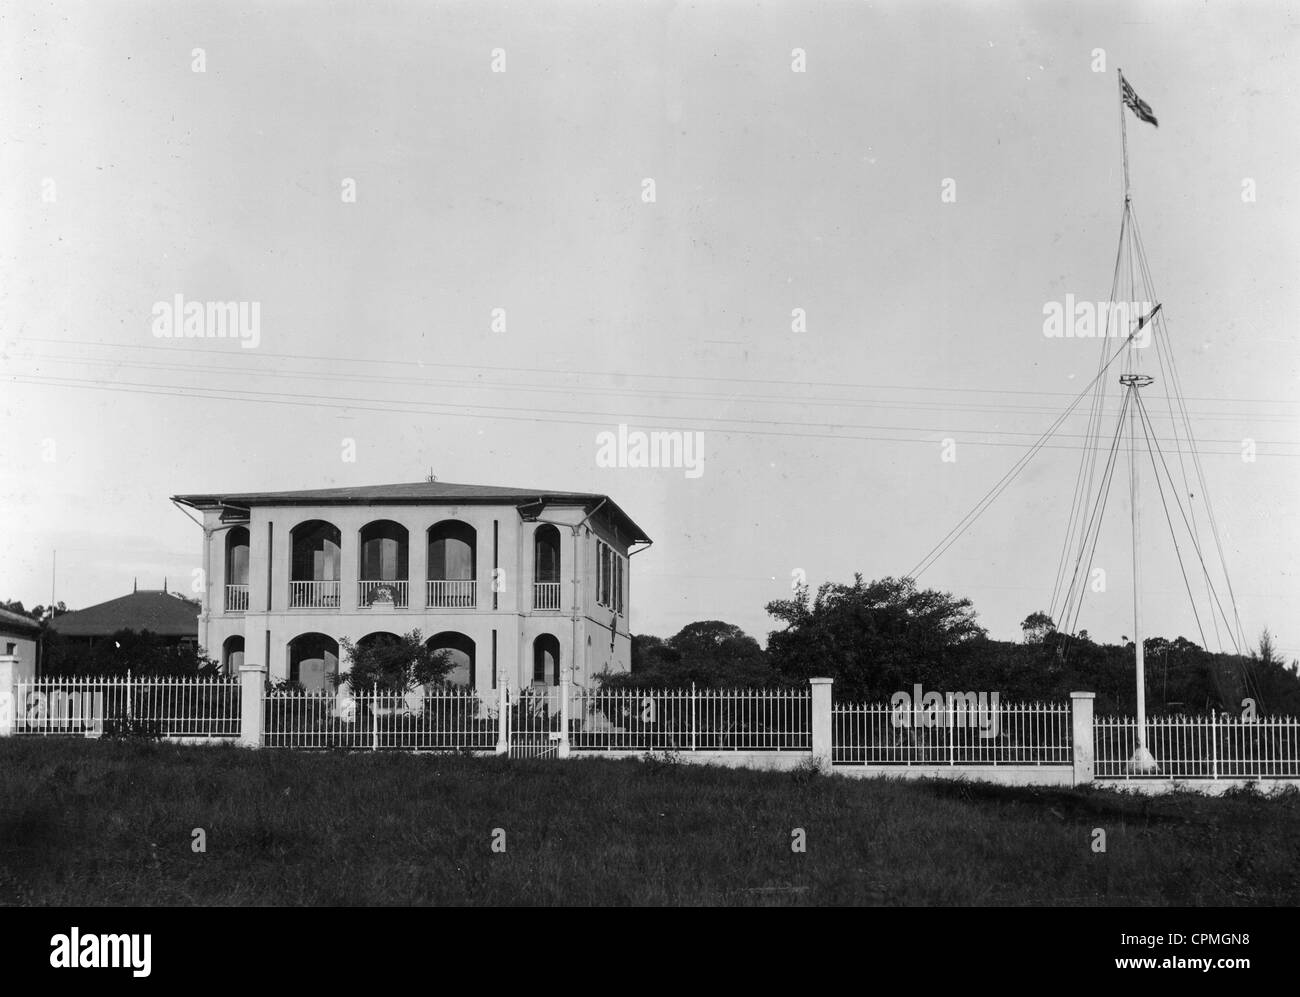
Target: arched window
[(237, 555), (460, 649), (237, 570), (546, 660), (314, 661), (546, 554), (383, 551), (314, 567), (316, 551), (383, 563), (546, 567), (232, 656), (452, 551), (453, 565)]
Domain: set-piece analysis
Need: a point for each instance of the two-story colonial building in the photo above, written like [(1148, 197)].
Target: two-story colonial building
[(520, 586)]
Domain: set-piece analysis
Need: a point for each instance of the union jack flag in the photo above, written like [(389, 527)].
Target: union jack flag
[(1139, 106)]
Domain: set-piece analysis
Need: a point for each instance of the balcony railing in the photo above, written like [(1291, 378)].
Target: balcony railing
[(236, 598), (452, 594), (314, 595), (546, 595), (371, 593)]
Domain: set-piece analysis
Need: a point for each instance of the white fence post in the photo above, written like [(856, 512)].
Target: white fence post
[(564, 717), (693, 723), (252, 713), (503, 719), (821, 721), (1214, 744), (1081, 707), (9, 675), (374, 716)]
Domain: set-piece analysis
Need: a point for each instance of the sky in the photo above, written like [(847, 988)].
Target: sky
[(441, 212)]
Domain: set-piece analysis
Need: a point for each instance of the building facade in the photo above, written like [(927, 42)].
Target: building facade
[(519, 586), (18, 641)]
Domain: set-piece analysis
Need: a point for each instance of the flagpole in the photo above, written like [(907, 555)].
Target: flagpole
[(1123, 130)]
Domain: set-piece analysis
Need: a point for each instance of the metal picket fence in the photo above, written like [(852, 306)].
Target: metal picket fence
[(450, 718), (691, 720), (1010, 734), (1212, 747), (433, 718), (534, 722), (157, 707)]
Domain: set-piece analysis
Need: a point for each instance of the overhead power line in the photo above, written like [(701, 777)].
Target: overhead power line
[(801, 401), (622, 376), (565, 417)]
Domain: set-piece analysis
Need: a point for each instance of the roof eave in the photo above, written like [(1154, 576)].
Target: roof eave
[(588, 502)]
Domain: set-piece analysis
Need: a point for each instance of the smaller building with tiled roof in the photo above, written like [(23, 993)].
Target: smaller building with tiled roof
[(160, 612)]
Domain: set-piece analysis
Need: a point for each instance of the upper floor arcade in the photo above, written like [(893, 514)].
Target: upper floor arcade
[(431, 547)]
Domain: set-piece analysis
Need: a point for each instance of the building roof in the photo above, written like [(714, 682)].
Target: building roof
[(11, 622), (417, 493), (163, 613)]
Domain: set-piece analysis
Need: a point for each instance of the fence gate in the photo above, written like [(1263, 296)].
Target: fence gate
[(533, 722)]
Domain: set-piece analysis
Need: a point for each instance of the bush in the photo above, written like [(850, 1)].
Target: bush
[(395, 664), (122, 727)]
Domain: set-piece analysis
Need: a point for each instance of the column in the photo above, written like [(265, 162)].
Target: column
[(1081, 707), (252, 686), (503, 719), (564, 716), (417, 563), (821, 722)]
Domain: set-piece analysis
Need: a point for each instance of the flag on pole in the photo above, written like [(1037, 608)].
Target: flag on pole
[(1139, 106)]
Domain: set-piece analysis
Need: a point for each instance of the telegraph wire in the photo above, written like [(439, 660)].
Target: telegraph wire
[(547, 416), (257, 355)]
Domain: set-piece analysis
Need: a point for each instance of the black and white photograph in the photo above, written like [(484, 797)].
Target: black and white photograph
[(581, 454)]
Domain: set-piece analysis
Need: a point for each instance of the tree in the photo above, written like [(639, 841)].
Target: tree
[(1036, 626), (723, 647), (1266, 654), (707, 654), (872, 638), (395, 664), (47, 613), (649, 653), (142, 653), (41, 614), (16, 606)]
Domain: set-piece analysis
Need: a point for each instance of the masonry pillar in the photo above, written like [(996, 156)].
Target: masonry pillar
[(821, 722), (417, 564), (1081, 707), (252, 686), (503, 718), (564, 716), (350, 565)]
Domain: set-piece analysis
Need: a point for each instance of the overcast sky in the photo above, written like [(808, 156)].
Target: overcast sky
[(129, 178)]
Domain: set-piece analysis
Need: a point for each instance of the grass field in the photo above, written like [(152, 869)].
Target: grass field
[(84, 822)]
